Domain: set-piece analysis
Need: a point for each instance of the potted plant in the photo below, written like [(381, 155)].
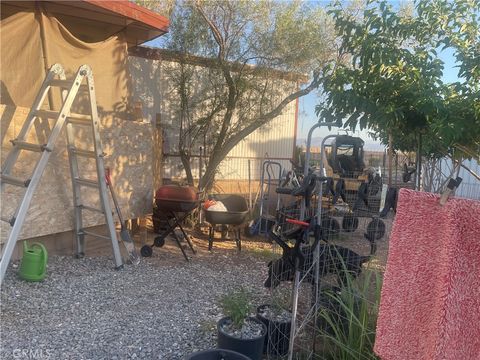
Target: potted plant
[(237, 331), (278, 322), (277, 317)]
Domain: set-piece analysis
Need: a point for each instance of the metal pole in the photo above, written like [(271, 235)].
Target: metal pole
[(419, 162), (200, 168), (302, 216), (390, 159), (308, 155), (396, 170)]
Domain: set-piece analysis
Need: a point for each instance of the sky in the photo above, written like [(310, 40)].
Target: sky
[(307, 117)]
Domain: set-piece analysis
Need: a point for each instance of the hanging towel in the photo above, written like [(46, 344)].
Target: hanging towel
[(430, 305)]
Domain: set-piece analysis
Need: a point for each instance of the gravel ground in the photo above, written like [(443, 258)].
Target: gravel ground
[(164, 308)]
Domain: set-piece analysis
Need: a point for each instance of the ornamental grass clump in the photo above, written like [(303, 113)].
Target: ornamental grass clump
[(349, 321)]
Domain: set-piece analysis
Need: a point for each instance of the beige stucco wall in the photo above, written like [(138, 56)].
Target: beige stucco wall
[(128, 145), (154, 88)]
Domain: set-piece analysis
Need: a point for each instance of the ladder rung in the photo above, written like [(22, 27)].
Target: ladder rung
[(81, 152), (66, 84), (91, 208), (87, 182), (12, 180), (79, 122), (29, 146), (72, 116), (84, 232), (47, 114), (11, 221), (82, 117)]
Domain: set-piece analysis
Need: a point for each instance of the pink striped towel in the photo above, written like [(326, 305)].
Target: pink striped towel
[(430, 305)]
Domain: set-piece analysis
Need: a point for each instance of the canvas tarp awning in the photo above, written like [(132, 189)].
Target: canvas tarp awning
[(23, 62), (34, 41)]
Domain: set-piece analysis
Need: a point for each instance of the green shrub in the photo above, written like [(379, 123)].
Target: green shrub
[(236, 305)]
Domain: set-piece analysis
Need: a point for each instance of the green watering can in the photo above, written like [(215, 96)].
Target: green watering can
[(34, 262)]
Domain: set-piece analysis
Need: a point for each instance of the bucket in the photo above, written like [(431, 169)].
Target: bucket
[(33, 266)]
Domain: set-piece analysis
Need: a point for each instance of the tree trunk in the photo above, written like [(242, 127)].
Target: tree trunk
[(208, 178), (186, 165)]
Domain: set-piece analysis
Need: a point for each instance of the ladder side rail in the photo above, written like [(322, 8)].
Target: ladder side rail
[(77, 194), (36, 177), (52, 139), (101, 170), (12, 156), (65, 110), (20, 215)]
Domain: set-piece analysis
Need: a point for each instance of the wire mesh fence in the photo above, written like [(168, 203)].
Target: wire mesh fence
[(326, 275), (319, 277), (335, 284)]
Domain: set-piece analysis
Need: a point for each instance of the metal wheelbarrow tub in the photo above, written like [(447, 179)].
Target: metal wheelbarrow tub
[(236, 214), (226, 217)]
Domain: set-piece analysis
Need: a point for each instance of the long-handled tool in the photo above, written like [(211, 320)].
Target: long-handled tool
[(124, 234)]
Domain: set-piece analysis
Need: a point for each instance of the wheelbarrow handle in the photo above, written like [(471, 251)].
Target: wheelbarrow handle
[(107, 176), (298, 222)]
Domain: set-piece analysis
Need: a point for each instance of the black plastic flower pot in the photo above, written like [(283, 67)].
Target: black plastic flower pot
[(218, 354), (252, 348), (278, 334)]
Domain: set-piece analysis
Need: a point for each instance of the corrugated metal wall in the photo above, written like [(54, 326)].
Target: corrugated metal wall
[(470, 186), (156, 92)]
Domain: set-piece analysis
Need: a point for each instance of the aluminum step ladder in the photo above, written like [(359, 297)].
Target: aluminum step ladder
[(83, 83)]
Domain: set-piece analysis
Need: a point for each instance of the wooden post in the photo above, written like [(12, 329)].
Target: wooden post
[(43, 42), (249, 187), (200, 167)]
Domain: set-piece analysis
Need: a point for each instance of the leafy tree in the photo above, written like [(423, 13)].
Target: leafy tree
[(258, 56), (393, 85), (164, 7)]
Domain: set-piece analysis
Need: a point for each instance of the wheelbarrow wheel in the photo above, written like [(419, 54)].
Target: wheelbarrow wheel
[(349, 223), (159, 241), (146, 251)]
